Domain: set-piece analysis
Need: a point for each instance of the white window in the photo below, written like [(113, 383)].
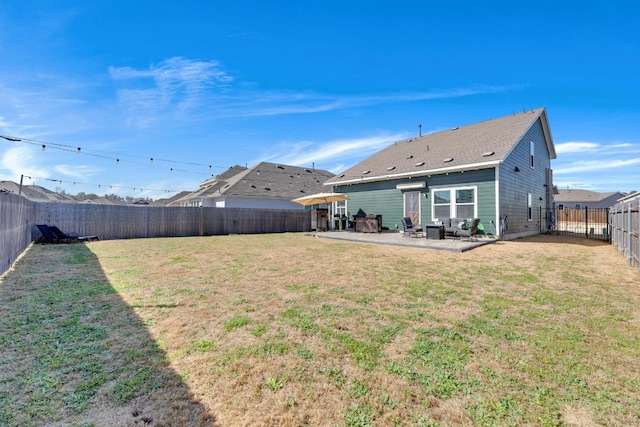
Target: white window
[(454, 203), (532, 149), (340, 208), (529, 207)]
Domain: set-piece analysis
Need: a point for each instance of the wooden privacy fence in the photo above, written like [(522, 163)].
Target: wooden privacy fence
[(625, 223), (19, 216), (15, 228), (124, 222)]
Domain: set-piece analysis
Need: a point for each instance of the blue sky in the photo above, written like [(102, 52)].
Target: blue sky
[(325, 83)]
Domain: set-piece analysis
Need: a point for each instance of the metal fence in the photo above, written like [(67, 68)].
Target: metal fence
[(588, 222), (625, 223)]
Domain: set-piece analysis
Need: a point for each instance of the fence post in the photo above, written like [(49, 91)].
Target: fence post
[(586, 222)]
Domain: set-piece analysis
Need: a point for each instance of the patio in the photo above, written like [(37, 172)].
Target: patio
[(396, 238)]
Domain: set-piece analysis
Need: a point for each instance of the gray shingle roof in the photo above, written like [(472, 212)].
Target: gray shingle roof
[(36, 193), (570, 196), (475, 146), (265, 180)]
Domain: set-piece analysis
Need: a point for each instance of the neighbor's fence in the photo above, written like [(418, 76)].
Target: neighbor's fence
[(625, 223), (591, 223), (19, 216)]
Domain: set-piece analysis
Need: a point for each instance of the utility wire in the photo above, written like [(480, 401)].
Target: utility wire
[(33, 178), (104, 154)]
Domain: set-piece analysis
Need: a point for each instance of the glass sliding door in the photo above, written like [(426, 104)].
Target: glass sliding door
[(412, 206)]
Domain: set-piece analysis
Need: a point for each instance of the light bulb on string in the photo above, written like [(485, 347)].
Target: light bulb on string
[(43, 147)]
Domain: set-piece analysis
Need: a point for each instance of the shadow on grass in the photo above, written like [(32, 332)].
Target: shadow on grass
[(72, 352), (576, 239)]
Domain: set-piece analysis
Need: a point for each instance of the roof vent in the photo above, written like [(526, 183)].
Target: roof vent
[(267, 188), (410, 156), (341, 176), (390, 168), (280, 167), (308, 170), (488, 153), (253, 186), (365, 172), (448, 159), (420, 164), (456, 128)]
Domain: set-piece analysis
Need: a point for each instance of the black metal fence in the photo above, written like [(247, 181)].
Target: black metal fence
[(591, 223)]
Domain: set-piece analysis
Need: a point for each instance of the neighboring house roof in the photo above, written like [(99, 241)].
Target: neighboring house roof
[(167, 201), (573, 196), (35, 192), (631, 196), (475, 146), (265, 180)]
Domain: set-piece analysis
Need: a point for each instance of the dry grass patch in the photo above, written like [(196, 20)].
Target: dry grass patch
[(292, 330)]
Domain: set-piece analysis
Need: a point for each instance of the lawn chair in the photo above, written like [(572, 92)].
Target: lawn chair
[(471, 231), (48, 236), (67, 238), (409, 229)]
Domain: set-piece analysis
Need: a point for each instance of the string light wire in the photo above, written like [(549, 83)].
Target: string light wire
[(108, 155)]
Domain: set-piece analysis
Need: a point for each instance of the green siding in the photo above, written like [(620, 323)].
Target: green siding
[(482, 179), (514, 186), (382, 198)]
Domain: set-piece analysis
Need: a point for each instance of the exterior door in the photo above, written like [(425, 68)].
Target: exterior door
[(412, 206)]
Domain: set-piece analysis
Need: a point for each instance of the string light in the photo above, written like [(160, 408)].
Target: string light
[(103, 154), (111, 187)]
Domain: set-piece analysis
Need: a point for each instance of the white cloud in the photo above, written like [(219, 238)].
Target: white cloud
[(178, 85), (339, 150), (21, 160), (571, 147), (79, 172), (595, 165), (577, 147)]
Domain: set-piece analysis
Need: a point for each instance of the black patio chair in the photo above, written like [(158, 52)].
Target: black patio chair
[(410, 229), (48, 236), (71, 237)]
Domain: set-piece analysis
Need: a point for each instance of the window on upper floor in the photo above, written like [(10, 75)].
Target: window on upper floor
[(532, 149)]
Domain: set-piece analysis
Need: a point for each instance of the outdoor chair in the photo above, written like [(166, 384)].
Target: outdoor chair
[(471, 231), (71, 237), (48, 236), (410, 229), (52, 234)]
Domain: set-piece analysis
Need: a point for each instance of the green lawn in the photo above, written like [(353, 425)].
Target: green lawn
[(293, 330)]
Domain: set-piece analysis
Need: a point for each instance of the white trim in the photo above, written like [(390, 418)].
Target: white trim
[(411, 185), (497, 183), (452, 199), (420, 173)]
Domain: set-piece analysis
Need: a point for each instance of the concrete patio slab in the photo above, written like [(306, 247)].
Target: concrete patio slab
[(398, 239)]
